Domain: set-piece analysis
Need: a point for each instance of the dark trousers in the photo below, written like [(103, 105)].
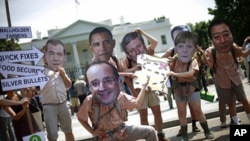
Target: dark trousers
[(81, 98), (6, 131)]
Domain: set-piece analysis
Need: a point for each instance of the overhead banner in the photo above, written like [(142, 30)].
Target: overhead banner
[(15, 32)]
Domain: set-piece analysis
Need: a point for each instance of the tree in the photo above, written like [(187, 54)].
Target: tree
[(6, 45), (200, 30), (236, 12)]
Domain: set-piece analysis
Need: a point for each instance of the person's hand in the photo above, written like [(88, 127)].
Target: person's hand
[(25, 100), (99, 133), (136, 68), (25, 105), (146, 83), (247, 39), (200, 49), (61, 70), (138, 30), (170, 73)]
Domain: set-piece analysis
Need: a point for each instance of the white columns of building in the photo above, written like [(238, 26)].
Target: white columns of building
[(76, 58)]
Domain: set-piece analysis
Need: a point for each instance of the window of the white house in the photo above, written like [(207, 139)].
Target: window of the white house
[(85, 54), (163, 39), (69, 57)]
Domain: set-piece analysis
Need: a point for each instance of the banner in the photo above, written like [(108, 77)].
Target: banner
[(156, 68)]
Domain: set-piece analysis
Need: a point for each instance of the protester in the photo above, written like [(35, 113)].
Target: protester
[(80, 88), (101, 44), (169, 54), (223, 60), (74, 100), (6, 102), (103, 81), (133, 44), (54, 93), (19, 114), (246, 45), (7, 131), (184, 71)]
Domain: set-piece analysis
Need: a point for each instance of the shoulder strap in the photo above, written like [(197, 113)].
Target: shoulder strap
[(118, 108), (234, 56), (129, 63), (214, 58), (96, 111), (115, 59), (98, 117)]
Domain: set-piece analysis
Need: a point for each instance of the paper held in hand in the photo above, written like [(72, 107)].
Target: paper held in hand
[(156, 68)]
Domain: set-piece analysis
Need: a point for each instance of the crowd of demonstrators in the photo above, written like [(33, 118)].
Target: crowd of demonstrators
[(6, 125), (54, 93), (170, 54), (103, 80), (20, 115), (184, 69), (133, 44), (6, 121), (104, 102), (227, 79), (81, 88)]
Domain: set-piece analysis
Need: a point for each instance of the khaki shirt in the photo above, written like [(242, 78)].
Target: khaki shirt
[(54, 92)]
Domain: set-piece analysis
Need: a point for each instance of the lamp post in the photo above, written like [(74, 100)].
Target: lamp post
[(12, 47)]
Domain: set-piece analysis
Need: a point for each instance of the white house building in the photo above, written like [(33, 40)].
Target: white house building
[(75, 38)]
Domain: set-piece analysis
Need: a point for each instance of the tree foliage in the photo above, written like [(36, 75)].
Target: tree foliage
[(236, 12), (7, 45), (200, 30)]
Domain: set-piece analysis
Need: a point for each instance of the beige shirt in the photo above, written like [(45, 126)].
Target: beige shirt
[(54, 92)]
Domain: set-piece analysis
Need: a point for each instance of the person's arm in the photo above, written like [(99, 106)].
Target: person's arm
[(241, 50), (182, 74), (6, 102), (189, 73), (66, 79), (140, 97), (204, 59), (208, 57), (246, 41), (153, 41), (16, 116)]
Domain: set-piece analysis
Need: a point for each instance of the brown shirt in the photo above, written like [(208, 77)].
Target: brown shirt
[(109, 121), (226, 68)]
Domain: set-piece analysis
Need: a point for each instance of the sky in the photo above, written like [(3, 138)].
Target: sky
[(43, 15)]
